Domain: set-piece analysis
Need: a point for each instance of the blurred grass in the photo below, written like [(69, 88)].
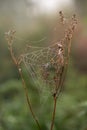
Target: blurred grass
[(71, 111)]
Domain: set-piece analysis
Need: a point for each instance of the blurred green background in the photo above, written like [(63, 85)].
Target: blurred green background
[(34, 20)]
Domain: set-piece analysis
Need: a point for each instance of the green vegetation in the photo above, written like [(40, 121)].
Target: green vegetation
[(71, 111)]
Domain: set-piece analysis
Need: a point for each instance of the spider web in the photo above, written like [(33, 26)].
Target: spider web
[(47, 65), (42, 64)]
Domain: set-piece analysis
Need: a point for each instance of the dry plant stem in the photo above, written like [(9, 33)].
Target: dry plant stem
[(28, 100), (60, 84), (63, 51), (24, 85), (54, 112)]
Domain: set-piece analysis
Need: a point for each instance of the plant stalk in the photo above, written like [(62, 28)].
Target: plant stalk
[(54, 112), (28, 100), (24, 85)]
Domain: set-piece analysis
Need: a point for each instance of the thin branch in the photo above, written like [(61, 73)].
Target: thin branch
[(28, 100), (24, 85), (54, 112)]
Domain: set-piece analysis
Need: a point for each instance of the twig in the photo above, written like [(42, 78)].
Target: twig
[(28, 100), (24, 84), (54, 112)]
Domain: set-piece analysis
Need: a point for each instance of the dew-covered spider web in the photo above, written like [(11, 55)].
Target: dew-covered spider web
[(45, 65)]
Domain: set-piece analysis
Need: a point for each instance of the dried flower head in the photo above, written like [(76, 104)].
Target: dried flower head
[(10, 35)]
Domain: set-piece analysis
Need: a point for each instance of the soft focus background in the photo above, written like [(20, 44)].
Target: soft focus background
[(34, 20)]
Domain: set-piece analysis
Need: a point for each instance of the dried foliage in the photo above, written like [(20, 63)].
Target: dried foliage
[(47, 64)]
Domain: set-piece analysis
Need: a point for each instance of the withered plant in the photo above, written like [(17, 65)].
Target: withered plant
[(46, 64)]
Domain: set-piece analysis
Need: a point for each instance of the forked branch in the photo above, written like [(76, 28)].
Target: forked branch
[(53, 68)]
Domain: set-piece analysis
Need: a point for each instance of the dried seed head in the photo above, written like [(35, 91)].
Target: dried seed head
[(62, 18), (10, 35)]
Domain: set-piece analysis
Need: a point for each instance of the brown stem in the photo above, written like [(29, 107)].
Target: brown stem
[(24, 85), (28, 100), (54, 111)]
